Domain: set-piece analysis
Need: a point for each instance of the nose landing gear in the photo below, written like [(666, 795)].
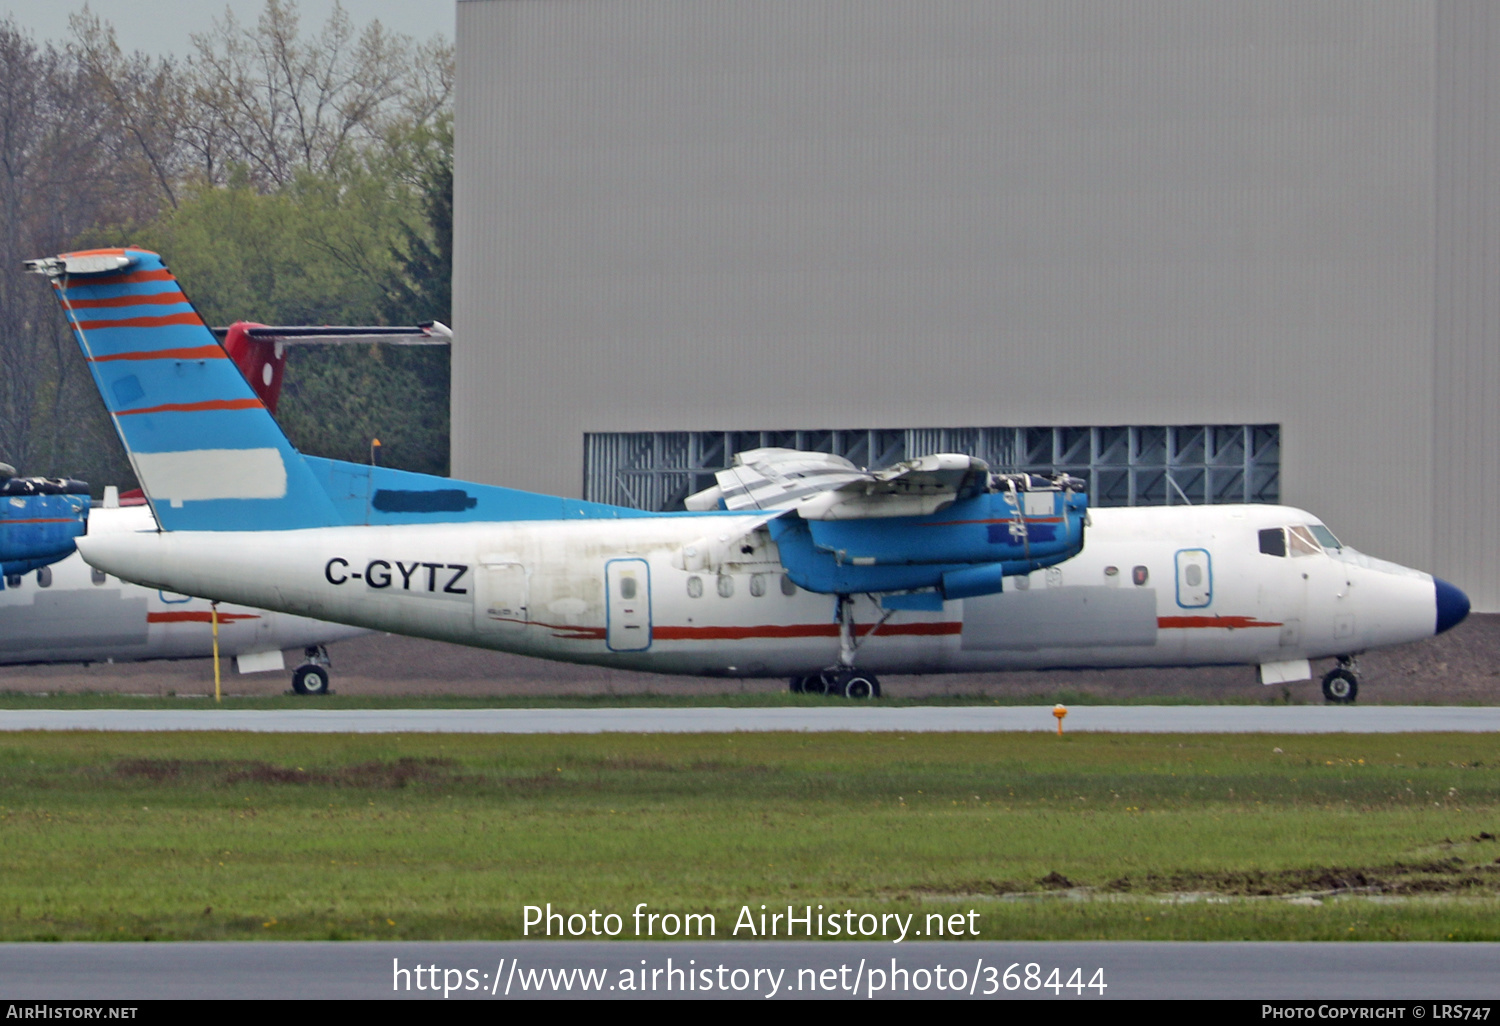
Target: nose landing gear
[(1341, 684), (312, 677)]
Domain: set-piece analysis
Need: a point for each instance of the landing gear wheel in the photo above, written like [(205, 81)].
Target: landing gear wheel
[(798, 684), (310, 679), (859, 686), (1340, 686), (816, 684)]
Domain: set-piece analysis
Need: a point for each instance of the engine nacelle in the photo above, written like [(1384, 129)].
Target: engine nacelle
[(963, 551), (39, 520)]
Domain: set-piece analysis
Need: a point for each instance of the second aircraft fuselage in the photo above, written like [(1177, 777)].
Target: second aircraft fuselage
[(1151, 587)]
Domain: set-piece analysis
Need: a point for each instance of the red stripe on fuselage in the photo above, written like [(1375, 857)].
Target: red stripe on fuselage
[(669, 632), (192, 353), (211, 404), (139, 299), (196, 617), (995, 520), (164, 321), (1185, 622), (798, 630)]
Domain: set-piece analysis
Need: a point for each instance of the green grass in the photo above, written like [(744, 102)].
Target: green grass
[(202, 836)]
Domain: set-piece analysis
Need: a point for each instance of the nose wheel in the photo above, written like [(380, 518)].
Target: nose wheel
[(312, 677), (1341, 685)]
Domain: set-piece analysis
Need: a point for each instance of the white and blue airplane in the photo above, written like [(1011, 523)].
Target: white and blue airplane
[(795, 564), (55, 608)]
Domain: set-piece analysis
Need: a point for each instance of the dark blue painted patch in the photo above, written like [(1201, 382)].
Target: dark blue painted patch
[(128, 389), (999, 534), (438, 500)]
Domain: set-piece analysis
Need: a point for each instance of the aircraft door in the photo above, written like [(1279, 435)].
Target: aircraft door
[(1195, 578), (627, 583), (501, 597)]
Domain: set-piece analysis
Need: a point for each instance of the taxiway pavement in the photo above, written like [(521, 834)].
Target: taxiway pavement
[(1154, 719), (1259, 971)]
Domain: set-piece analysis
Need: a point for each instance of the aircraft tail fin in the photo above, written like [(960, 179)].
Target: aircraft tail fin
[(207, 452)]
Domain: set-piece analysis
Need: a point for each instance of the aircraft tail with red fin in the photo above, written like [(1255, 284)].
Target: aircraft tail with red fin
[(203, 443)]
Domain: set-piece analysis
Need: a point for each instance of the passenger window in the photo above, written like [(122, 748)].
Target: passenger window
[(627, 587), (98, 576), (757, 585), (12, 580), (1140, 575), (695, 587), (726, 586), (1300, 542), (1273, 541), (44, 577), (787, 587)]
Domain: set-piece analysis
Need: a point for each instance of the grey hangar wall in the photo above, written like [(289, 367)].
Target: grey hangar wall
[(841, 215)]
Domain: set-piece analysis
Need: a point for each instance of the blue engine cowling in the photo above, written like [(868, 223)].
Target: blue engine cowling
[(963, 551), (39, 520)]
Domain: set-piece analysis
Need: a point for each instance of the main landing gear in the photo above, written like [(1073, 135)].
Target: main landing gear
[(840, 682), (312, 677), (843, 680), (1341, 684)]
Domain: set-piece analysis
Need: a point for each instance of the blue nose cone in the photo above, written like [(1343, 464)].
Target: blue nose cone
[(1452, 605)]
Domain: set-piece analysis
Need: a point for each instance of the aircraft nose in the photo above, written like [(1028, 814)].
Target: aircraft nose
[(1452, 605)]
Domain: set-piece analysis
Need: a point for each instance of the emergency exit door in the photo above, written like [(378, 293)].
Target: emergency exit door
[(500, 601), (628, 606), (1195, 578)]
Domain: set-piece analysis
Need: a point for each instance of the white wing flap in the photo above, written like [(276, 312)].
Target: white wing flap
[(820, 486)]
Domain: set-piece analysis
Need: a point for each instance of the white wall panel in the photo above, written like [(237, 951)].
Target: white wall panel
[(811, 214)]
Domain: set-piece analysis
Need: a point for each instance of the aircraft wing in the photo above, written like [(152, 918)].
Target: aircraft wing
[(820, 486)]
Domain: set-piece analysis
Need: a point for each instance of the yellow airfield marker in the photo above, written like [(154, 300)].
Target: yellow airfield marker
[(213, 617), (1059, 710)]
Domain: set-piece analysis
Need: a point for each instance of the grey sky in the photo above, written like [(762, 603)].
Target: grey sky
[(164, 26)]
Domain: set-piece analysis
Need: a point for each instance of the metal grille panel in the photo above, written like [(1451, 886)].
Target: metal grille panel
[(1162, 465)]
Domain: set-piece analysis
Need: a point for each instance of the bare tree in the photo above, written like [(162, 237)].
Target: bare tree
[(276, 103), (146, 95), (96, 145), (24, 72), (66, 165)]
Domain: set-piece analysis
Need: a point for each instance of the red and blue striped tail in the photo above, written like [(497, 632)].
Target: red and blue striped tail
[(205, 448)]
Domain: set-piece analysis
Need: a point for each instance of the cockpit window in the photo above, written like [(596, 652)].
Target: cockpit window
[(1325, 536), (1273, 541), (1301, 542)]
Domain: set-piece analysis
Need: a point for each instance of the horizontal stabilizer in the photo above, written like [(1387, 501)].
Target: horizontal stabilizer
[(432, 333), (259, 350)]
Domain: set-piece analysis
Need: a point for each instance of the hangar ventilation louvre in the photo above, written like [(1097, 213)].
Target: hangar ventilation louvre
[(1152, 465)]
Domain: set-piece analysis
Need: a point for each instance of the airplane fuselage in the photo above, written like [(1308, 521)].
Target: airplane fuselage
[(1152, 587), (71, 613)]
